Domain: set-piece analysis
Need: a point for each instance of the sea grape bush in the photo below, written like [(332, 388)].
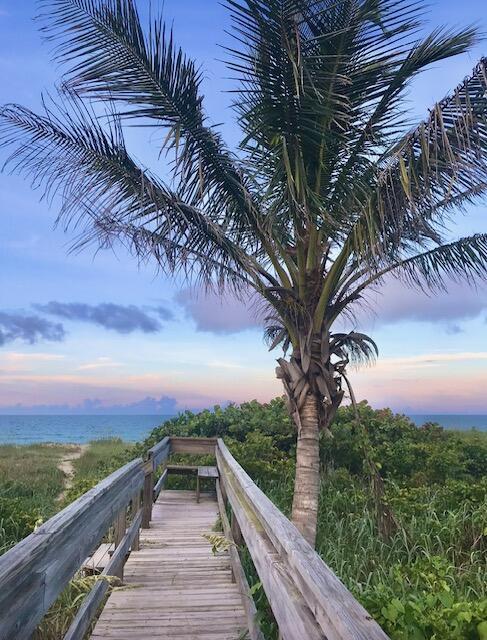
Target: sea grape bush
[(428, 581), (421, 602)]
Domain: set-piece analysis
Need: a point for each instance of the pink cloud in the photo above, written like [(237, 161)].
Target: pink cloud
[(395, 302), (220, 314)]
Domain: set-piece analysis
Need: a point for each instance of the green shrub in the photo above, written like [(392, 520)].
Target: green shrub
[(421, 602), (428, 581), (15, 522)]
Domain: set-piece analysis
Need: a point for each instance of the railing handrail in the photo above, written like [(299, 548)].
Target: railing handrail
[(35, 571), (306, 597), (338, 616), (159, 452)]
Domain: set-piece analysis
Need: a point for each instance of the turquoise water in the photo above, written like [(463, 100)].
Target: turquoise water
[(453, 421), (78, 429), (81, 429)]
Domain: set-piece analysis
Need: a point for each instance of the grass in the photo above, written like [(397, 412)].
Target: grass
[(428, 580), (30, 483), (30, 472), (99, 452)]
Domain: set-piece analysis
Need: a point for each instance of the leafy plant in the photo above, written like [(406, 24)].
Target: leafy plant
[(219, 543), (329, 194)]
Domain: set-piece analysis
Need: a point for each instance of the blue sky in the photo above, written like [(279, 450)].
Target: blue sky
[(104, 328)]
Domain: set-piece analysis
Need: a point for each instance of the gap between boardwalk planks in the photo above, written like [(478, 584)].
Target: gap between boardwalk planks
[(175, 587)]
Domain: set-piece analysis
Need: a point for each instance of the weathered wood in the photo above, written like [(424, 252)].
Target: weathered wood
[(81, 622), (176, 586), (197, 446), (160, 452), (119, 526), (115, 566), (294, 618), (238, 573), (95, 564), (34, 572), (323, 599), (148, 493), (136, 502), (182, 469), (236, 531), (160, 484), (208, 472), (204, 473)]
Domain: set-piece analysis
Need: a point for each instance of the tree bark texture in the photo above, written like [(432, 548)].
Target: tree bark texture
[(307, 479)]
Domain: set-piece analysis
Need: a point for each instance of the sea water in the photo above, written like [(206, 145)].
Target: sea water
[(77, 429), (133, 428)]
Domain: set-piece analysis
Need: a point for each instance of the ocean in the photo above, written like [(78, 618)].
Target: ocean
[(76, 429), (82, 429), (453, 421)]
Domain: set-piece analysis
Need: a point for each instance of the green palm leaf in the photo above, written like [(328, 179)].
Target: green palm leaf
[(110, 57), (68, 153)]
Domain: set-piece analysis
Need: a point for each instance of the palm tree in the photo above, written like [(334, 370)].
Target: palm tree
[(329, 191)]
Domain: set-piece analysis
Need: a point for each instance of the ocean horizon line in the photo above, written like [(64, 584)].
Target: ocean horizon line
[(197, 410)]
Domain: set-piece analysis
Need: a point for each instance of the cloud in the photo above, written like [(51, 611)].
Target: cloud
[(163, 313), (427, 360), (116, 317), (396, 302), (164, 405), (13, 356), (100, 363), (224, 364), (28, 328), (219, 314)]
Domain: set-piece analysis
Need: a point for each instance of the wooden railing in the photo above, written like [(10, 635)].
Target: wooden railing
[(307, 599)]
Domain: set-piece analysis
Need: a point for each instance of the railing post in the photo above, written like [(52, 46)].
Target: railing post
[(235, 529), (119, 527), (135, 510), (148, 495)]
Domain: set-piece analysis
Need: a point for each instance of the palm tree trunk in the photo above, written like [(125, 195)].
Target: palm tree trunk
[(307, 480)]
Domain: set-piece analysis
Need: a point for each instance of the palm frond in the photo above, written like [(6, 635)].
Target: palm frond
[(275, 335), (435, 269), (67, 153), (443, 161), (111, 57), (464, 259), (320, 98), (384, 118), (355, 347)]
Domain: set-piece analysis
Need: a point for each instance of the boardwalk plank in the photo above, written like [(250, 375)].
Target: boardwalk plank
[(175, 586)]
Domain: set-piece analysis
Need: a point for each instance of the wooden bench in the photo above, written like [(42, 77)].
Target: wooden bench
[(204, 473), (95, 564)]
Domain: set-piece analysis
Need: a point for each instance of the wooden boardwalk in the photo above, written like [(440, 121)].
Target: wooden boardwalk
[(175, 586)]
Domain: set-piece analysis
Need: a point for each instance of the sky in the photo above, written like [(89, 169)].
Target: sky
[(80, 331)]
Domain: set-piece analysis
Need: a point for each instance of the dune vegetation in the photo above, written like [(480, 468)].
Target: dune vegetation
[(425, 581), (34, 485), (30, 482)]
